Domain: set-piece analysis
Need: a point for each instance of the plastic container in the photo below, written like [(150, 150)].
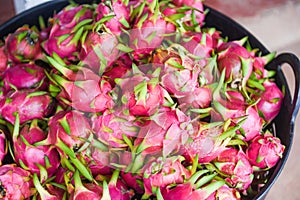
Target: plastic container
[(283, 125)]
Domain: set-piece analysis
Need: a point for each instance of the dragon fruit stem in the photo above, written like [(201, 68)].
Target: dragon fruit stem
[(196, 176), (61, 68), (205, 180), (106, 195), (114, 177), (212, 187)]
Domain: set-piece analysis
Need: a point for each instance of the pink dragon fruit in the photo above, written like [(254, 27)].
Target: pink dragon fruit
[(71, 127), (24, 45), (110, 128), (196, 187), (3, 59), (197, 11), (205, 143), (201, 97), (141, 95), (179, 75), (234, 163), (237, 62), (15, 182), (201, 43), (225, 193), (118, 69), (270, 101), (81, 192), (116, 189), (28, 104), (167, 131), (235, 108), (85, 90), (72, 15), (161, 173), (120, 13), (98, 51), (66, 30), (34, 158), (3, 146), (148, 33), (133, 181), (32, 75), (265, 150)]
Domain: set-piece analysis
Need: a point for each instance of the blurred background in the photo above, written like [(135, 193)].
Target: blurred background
[(276, 24)]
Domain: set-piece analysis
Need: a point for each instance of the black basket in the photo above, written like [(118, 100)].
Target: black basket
[(283, 124)]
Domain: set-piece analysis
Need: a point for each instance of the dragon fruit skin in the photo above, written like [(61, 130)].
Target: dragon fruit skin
[(197, 4), (165, 133), (110, 128), (265, 151), (3, 59), (201, 97), (81, 192), (118, 69), (270, 101), (28, 105), (32, 75), (149, 35), (179, 75), (225, 193), (120, 12), (138, 103), (133, 181), (90, 94), (3, 147), (71, 15), (23, 45), (15, 182), (159, 174), (230, 58), (32, 155), (91, 47), (235, 163), (205, 144), (69, 127), (63, 38)]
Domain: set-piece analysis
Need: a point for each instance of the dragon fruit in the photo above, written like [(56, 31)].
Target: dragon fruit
[(148, 32), (15, 182), (133, 181), (141, 95), (199, 186), (264, 151), (66, 30), (235, 165), (24, 45), (116, 189), (120, 13), (78, 88), (34, 158), (164, 134), (205, 143), (110, 128), (3, 146), (81, 192), (32, 75), (270, 101), (161, 173), (3, 59), (179, 75), (98, 57), (28, 104), (71, 127), (237, 61), (225, 193), (72, 15), (197, 11)]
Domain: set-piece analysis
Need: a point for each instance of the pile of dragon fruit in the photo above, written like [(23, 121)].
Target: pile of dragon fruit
[(134, 100)]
